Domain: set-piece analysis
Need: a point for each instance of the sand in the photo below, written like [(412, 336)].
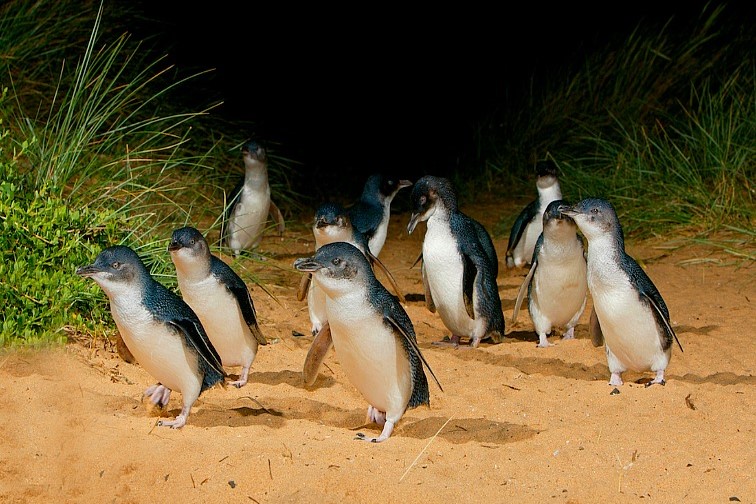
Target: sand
[(515, 423)]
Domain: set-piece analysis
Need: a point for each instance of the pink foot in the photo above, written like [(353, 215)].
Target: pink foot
[(569, 334), (159, 394), (615, 380)]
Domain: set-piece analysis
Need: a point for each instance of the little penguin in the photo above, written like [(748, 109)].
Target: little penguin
[(459, 264), (374, 337), (249, 203), (556, 284), (162, 332), (529, 224), (630, 316), (371, 213), (220, 299)]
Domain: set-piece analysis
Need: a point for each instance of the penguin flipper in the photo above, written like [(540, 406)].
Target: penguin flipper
[(518, 228), (594, 329), (248, 311), (228, 211), (315, 355), (662, 321), (277, 216), (525, 287), (469, 277), (429, 303), (419, 258), (195, 335), (374, 260), (304, 286), (409, 337)]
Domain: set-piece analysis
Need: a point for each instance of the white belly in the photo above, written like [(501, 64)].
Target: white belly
[(559, 289), (444, 268), (379, 238), (316, 305), (161, 351), (249, 217), (222, 319), (523, 251), (629, 326), (373, 359)]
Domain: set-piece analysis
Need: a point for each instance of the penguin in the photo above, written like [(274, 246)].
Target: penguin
[(556, 284), (459, 264), (374, 337), (370, 214), (220, 299), (249, 203), (529, 224), (630, 316), (162, 332)]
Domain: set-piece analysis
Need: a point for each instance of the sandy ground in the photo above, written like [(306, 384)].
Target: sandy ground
[(515, 423)]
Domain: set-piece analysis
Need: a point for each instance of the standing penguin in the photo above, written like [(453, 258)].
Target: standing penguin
[(249, 203), (370, 215), (529, 223), (556, 283), (631, 317), (459, 265), (374, 338), (162, 332), (220, 299)]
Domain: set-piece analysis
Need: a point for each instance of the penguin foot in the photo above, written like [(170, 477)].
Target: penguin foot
[(159, 394), (543, 341), (569, 334), (388, 428), (243, 378), (375, 415), (177, 423), (615, 380), (659, 379), (447, 341)]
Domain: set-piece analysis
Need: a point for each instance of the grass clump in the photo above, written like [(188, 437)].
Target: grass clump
[(660, 122)]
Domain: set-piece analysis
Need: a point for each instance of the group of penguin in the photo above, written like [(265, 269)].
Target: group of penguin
[(185, 343)]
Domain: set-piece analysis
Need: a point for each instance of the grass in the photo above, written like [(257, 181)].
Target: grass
[(662, 123)]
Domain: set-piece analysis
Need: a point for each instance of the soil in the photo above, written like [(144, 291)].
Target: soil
[(515, 423)]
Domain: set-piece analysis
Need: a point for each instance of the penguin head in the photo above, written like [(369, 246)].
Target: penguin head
[(554, 219), (381, 189), (117, 270), (547, 173), (253, 151), (595, 217), (331, 224), (338, 267), (428, 194)]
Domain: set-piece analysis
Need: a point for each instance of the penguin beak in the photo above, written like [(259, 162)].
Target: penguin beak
[(307, 264), (87, 271), (404, 183), (414, 219), (174, 246), (568, 210)]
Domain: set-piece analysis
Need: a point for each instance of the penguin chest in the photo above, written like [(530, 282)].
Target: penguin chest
[(158, 347), (629, 327), (444, 269), (559, 287), (222, 320), (523, 251), (378, 239), (249, 217), (370, 354)]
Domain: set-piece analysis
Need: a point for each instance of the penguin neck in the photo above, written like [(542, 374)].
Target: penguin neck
[(192, 269), (441, 214), (547, 194), (330, 234), (561, 239), (604, 251), (255, 173)]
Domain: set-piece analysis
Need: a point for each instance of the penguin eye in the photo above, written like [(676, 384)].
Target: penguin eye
[(423, 199), (336, 261), (594, 210), (116, 265), (191, 242)]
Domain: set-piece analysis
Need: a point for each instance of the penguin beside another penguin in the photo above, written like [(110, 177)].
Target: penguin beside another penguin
[(162, 332)]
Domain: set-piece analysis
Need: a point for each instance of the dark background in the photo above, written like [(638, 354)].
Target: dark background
[(384, 88)]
